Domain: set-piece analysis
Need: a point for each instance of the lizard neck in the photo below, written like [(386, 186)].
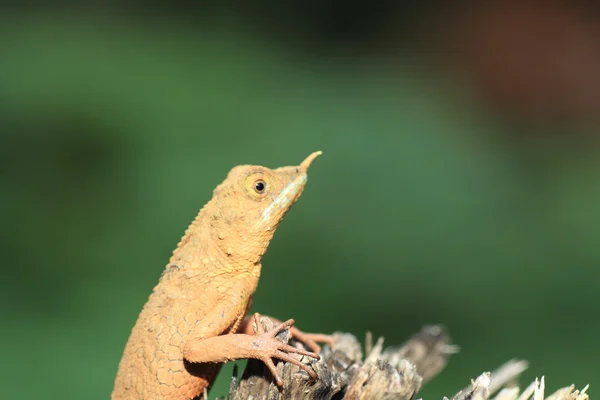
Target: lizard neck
[(216, 241)]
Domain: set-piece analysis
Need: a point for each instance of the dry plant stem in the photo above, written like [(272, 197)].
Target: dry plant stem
[(343, 374), (507, 373), (503, 375)]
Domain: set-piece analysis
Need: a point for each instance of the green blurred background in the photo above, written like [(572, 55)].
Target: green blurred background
[(459, 181)]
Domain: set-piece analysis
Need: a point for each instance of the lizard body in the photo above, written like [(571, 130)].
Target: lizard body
[(192, 321)]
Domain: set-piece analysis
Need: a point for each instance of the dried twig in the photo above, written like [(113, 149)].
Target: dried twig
[(397, 372)]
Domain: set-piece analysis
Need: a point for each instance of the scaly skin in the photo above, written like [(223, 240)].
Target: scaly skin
[(192, 321)]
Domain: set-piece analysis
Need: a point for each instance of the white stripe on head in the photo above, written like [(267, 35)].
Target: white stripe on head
[(283, 199)]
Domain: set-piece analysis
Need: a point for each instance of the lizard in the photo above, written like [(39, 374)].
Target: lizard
[(194, 320)]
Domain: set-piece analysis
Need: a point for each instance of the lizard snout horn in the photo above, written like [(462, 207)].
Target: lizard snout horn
[(308, 160)]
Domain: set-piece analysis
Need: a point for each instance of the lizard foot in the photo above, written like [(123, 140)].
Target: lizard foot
[(309, 340), (267, 347)]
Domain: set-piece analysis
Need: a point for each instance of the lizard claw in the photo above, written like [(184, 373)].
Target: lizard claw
[(270, 347)]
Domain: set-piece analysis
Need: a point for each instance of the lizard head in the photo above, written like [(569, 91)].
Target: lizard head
[(254, 199)]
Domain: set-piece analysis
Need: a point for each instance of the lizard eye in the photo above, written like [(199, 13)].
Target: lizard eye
[(260, 186)]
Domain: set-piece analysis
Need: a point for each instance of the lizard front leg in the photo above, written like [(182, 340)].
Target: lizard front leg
[(310, 340), (263, 346)]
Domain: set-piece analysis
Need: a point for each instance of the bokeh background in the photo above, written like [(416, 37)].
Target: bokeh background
[(459, 182)]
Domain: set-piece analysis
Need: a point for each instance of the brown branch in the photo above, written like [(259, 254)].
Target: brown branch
[(396, 372)]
